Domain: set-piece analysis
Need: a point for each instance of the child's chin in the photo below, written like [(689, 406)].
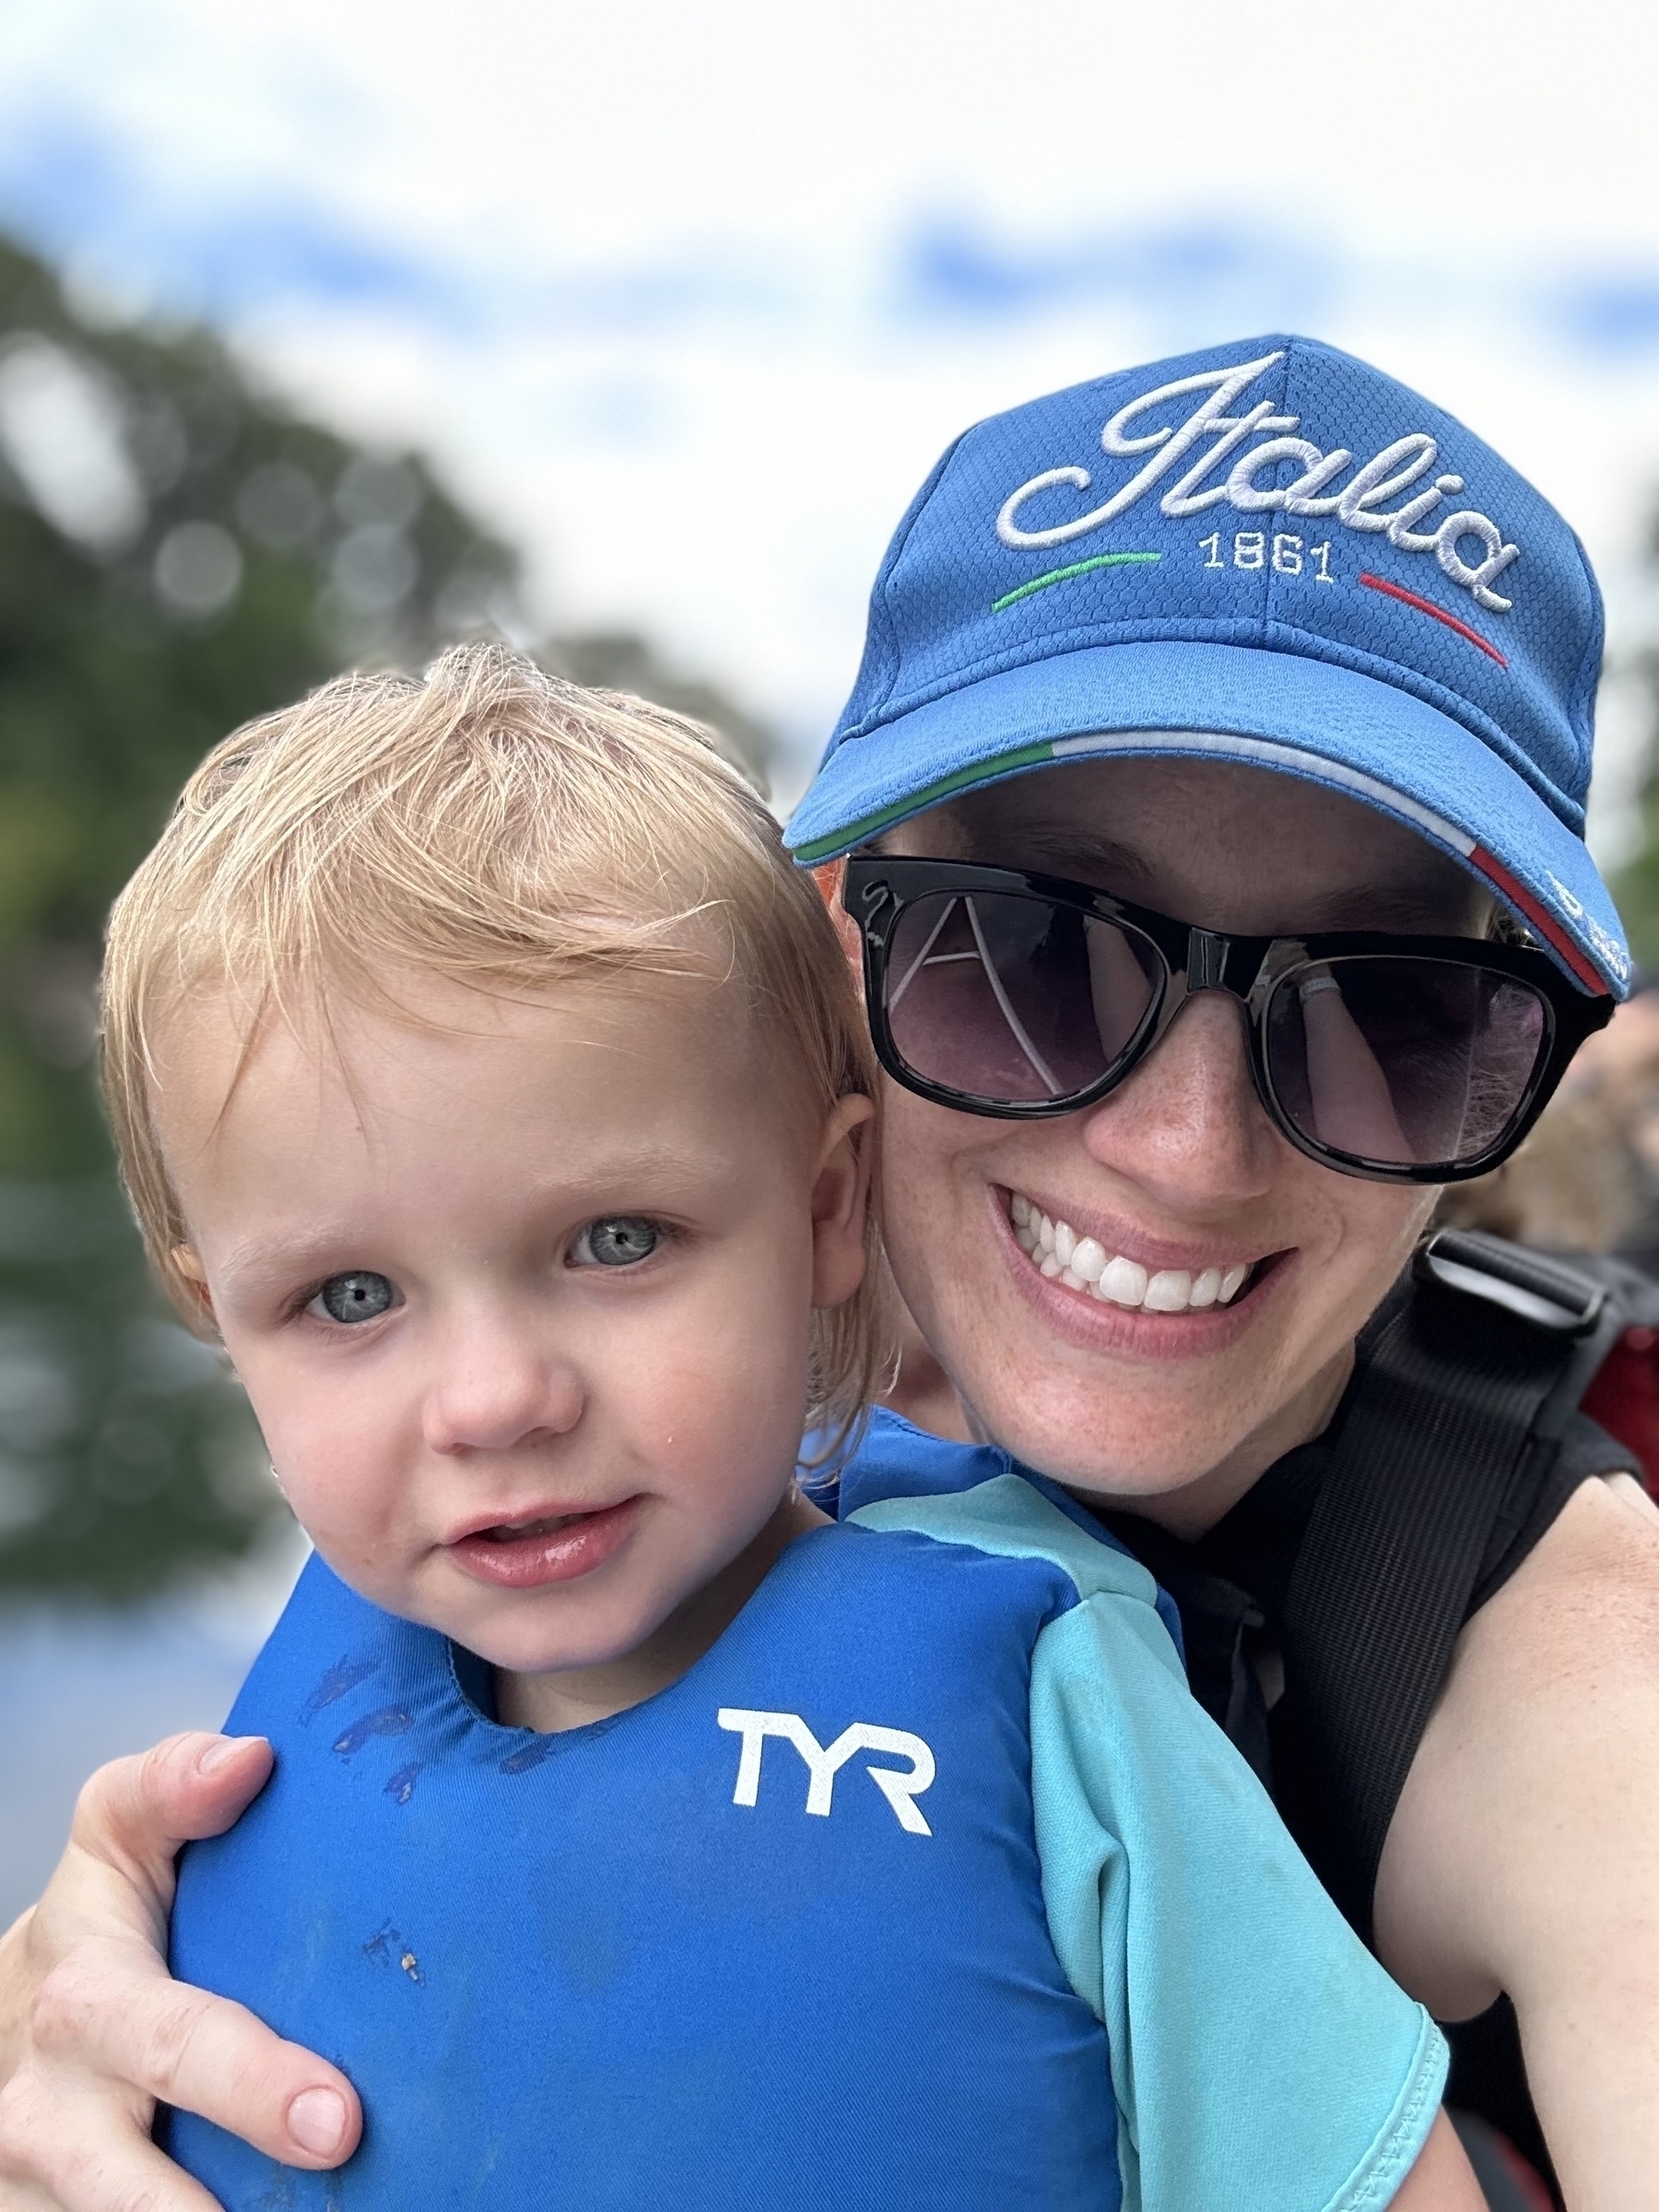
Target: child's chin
[(526, 1647)]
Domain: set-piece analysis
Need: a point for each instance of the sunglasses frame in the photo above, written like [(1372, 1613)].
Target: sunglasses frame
[(876, 891)]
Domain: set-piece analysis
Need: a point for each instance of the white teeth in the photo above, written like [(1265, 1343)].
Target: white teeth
[(1123, 1283), (1084, 1264), (1089, 1259)]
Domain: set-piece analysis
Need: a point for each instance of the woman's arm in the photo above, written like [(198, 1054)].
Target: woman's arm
[(93, 2032), (1524, 1852)]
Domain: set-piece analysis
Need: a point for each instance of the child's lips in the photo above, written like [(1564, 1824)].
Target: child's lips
[(550, 1548)]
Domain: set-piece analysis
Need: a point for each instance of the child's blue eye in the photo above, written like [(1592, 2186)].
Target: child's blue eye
[(622, 1241), (355, 1297)]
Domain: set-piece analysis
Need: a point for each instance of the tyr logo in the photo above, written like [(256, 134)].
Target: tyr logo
[(825, 1761)]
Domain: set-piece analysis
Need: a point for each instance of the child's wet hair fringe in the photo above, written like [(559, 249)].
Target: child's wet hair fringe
[(503, 828)]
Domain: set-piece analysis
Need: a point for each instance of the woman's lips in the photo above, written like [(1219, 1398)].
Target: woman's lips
[(551, 1548)]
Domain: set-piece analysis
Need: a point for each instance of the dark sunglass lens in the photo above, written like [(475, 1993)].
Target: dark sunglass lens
[(1407, 1061), (1009, 999)]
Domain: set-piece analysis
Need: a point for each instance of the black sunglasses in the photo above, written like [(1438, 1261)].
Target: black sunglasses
[(1403, 1058)]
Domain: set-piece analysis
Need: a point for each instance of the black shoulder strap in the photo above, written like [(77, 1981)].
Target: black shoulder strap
[(1467, 1387)]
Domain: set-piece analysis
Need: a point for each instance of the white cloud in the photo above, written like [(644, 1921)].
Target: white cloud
[(688, 299)]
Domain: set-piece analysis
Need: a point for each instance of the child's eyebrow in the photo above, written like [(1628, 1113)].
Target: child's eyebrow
[(258, 1263)]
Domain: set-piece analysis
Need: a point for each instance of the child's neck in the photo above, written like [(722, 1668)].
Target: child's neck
[(551, 1704)]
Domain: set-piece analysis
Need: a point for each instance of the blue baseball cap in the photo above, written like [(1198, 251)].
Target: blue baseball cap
[(1266, 552)]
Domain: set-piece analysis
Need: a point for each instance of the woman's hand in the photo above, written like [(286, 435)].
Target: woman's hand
[(93, 2032)]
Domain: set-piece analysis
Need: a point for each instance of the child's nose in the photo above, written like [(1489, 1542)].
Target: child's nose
[(491, 1388)]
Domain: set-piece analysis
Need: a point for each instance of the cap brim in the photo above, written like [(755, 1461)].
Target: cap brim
[(1279, 710)]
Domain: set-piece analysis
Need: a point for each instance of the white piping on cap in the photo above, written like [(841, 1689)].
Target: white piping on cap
[(1272, 754)]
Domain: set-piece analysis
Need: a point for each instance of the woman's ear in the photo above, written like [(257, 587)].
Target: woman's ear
[(841, 1200)]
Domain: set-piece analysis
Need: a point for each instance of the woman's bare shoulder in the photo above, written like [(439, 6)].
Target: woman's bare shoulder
[(1553, 1691), (1524, 1851)]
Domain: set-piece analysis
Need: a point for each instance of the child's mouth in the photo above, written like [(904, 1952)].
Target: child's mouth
[(1061, 1252), (545, 1547)]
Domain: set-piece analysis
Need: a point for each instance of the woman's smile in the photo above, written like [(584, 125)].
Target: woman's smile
[(1113, 1273)]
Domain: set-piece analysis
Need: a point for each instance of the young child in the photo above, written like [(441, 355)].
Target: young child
[(485, 1078)]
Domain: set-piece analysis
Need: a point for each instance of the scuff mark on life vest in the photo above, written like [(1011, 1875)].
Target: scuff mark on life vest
[(343, 1675), (386, 1944), (386, 1719), (400, 1787), (531, 1755)]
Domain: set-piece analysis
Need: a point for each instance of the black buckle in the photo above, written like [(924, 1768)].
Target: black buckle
[(1549, 1293)]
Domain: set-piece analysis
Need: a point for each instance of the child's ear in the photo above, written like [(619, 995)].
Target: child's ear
[(830, 875), (187, 1264), (841, 1200)]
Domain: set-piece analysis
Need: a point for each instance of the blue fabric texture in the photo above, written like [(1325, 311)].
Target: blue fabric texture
[(1269, 543), (843, 1917)]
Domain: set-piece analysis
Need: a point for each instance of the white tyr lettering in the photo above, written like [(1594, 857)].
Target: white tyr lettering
[(823, 1762)]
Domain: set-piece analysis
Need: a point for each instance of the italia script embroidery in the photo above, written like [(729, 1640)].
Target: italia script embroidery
[(1211, 435)]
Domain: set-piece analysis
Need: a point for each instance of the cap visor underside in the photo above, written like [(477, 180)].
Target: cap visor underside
[(1301, 717)]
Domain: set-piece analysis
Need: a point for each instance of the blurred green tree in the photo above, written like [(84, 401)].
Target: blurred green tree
[(178, 552)]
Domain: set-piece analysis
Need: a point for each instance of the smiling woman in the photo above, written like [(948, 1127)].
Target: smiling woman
[(1216, 907)]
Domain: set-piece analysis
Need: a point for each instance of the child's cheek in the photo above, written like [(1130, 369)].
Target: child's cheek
[(333, 1454)]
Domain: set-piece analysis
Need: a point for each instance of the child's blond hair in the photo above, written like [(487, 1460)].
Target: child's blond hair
[(504, 828)]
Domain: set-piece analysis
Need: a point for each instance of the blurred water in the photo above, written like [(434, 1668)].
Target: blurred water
[(80, 1685)]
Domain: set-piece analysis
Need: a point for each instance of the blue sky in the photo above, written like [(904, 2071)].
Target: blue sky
[(687, 299)]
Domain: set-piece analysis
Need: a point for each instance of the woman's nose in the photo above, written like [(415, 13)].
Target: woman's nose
[(492, 1387), (1188, 1125)]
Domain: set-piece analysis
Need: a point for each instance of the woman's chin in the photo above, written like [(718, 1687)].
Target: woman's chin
[(1117, 1467)]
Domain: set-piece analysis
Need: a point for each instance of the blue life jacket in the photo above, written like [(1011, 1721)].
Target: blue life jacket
[(570, 1970), (928, 1886)]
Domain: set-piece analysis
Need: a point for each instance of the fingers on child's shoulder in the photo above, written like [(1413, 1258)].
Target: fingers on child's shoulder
[(109, 2013), (68, 2151), (191, 1786)]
